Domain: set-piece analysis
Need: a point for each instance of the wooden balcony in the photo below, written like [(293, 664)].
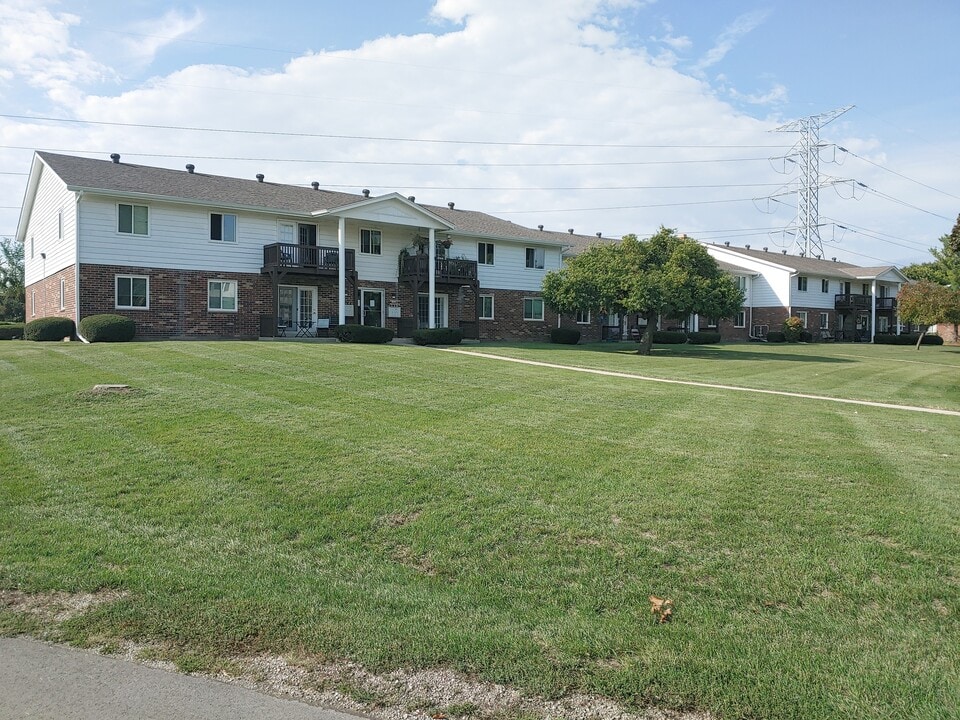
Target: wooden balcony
[(304, 259), (850, 301), (449, 270)]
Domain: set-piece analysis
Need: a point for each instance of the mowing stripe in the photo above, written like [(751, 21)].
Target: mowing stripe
[(713, 386)]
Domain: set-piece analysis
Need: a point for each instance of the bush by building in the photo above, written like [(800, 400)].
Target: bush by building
[(907, 339), (107, 328), (363, 334), (775, 336), (669, 337), (565, 336), (703, 338), (11, 330), (438, 336), (48, 329)]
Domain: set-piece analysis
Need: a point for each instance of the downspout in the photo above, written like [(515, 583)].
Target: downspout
[(873, 309), (342, 270), (76, 269)]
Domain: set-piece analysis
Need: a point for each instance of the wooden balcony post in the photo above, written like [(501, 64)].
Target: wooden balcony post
[(432, 280)]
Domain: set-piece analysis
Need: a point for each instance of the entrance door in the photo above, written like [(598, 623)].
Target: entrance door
[(423, 311), (287, 306), (371, 305), (297, 306)]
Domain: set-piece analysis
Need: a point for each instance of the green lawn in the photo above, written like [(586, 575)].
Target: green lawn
[(400, 506)]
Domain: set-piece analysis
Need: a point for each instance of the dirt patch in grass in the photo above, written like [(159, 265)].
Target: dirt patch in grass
[(56, 606)]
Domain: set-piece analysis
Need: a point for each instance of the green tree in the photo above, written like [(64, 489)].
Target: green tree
[(927, 303), (11, 280), (945, 270), (667, 276)]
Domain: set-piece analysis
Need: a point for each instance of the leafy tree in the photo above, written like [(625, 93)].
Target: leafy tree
[(666, 276), (926, 303), (945, 270), (11, 280)]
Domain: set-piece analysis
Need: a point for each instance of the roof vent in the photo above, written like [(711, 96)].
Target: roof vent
[(116, 158), (190, 168), (818, 257), (259, 177), (366, 192), (412, 198), (784, 252), (834, 259), (450, 205), (599, 234), (727, 243), (315, 185), (747, 247), (765, 249), (570, 230), (802, 253), (539, 227)]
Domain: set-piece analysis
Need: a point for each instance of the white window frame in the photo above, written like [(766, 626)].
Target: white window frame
[(532, 317), (740, 321), (33, 303), (370, 233), (116, 296), (63, 293), (538, 255), (489, 255), (741, 282), (802, 314), (236, 295), (824, 321), (60, 224), (486, 317), (801, 283), (31, 247), (579, 315), (223, 216), (133, 223)]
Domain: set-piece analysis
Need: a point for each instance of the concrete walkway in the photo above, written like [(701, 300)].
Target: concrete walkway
[(40, 680)]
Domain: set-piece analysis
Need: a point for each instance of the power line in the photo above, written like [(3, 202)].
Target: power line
[(620, 207), (894, 172), (330, 136)]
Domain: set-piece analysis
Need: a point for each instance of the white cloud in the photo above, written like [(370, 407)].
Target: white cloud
[(731, 35), (150, 36), (35, 46)]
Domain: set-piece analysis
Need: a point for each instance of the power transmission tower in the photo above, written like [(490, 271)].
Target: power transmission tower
[(807, 152)]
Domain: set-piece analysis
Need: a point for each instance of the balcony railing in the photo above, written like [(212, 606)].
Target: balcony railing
[(306, 258), (851, 301), (447, 269)]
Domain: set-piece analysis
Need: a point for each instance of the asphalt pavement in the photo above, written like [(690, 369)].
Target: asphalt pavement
[(41, 680)]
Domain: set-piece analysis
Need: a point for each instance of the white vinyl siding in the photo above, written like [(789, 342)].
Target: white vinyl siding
[(51, 229)]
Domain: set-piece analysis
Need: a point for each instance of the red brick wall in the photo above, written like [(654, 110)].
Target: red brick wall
[(508, 322), (48, 296), (178, 302)]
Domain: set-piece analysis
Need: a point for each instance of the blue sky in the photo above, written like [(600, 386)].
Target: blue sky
[(687, 91)]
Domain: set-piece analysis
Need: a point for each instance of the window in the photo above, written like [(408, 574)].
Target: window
[(802, 314), (370, 242), (741, 320), (535, 258), (866, 288), (132, 219), (132, 292), (485, 253), (824, 321), (222, 295), (306, 234), (802, 283), (486, 307), (63, 293), (223, 227), (60, 224), (825, 285), (31, 247), (741, 281), (33, 302), (532, 308), (583, 317)]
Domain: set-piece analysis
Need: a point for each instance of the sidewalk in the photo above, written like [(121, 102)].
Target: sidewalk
[(39, 680)]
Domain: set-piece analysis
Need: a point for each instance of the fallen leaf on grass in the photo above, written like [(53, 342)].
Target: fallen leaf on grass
[(662, 608)]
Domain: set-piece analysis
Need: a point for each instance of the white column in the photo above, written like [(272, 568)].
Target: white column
[(432, 282), (897, 314), (873, 310), (342, 269)]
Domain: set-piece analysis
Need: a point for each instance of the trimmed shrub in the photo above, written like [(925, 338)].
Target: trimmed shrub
[(907, 339), (806, 336), (363, 334), (792, 328), (438, 336), (11, 331), (565, 336), (108, 328), (775, 336), (48, 329), (669, 337), (703, 338)]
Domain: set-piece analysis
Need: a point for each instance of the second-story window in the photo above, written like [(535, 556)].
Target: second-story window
[(133, 219), (223, 227), (485, 253), (535, 258), (825, 285), (370, 241), (802, 283)]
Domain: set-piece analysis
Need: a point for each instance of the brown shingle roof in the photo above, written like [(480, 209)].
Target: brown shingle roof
[(808, 265)]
